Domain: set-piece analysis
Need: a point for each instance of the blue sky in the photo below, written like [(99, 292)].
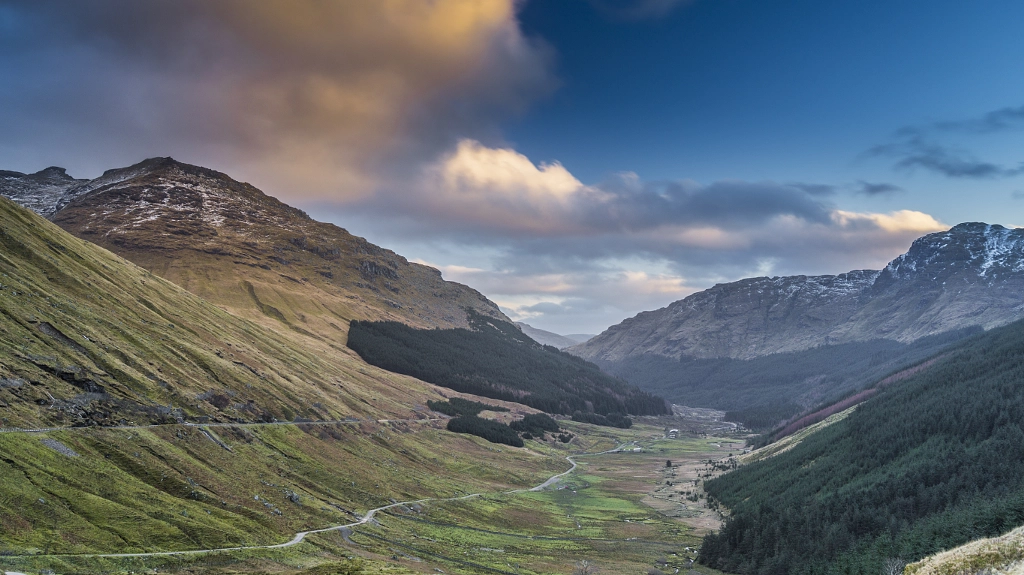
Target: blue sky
[(576, 161)]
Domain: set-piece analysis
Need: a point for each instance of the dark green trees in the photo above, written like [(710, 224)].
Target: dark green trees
[(495, 359), (927, 464)]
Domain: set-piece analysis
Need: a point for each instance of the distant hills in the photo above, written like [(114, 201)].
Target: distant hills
[(553, 339), (698, 349)]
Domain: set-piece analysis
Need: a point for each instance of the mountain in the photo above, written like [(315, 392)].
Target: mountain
[(87, 338), (109, 358), (546, 337), (768, 348), (580, 337), (40, 191), (934, 459), (253, 255), (972, 274), (267, 262)]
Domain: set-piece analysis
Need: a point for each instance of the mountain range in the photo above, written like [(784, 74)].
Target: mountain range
[(767, 349), (972, 274)]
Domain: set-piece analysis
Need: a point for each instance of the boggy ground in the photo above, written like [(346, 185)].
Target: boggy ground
[(597, 513)]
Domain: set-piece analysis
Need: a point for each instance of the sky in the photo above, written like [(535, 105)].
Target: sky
[(577, 161)]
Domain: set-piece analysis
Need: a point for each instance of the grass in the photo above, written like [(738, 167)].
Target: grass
[(992, 556), (173, 488)]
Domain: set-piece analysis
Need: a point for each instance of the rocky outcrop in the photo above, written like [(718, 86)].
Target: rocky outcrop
[(39, 192), (972, 274)]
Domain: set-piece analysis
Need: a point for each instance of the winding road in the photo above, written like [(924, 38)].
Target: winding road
[(301, 535)]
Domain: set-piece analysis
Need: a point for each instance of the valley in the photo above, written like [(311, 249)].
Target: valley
[(456, 521), (511, 287), (188, 402)]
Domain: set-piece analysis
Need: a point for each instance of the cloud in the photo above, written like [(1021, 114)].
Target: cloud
[(567, 256), (500, 192), (917, 152), (919, 146), (1009, 118), (877, 189), (304, 98), (572, 299)]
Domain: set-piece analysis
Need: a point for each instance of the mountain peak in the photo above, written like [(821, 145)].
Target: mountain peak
[(53, 172), (971, 250), (234, 245), (38, 192)]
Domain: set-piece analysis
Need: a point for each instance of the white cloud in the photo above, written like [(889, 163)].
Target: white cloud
[(572, 257)]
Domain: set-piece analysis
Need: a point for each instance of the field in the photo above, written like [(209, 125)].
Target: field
[(176, 488)]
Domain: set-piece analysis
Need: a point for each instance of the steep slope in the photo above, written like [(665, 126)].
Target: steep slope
[(88, 338), (972, 274), (235, 246), (545, 337), (930, 462), (141, 370)]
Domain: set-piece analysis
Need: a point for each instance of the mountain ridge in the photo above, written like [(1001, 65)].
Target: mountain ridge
[(253, 255), (910, 298)]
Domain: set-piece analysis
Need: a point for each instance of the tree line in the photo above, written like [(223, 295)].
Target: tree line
[(495, 359)]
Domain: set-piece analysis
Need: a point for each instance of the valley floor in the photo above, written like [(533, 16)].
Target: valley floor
[(616, 509)]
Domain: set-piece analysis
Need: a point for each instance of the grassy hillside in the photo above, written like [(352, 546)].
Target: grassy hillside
[(495, 359), (88, 338), (761, 392), (929, 463), (1003, 555)]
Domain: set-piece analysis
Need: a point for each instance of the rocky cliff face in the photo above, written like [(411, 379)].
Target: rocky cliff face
[(972, 274), (40, 191), (248, 252)]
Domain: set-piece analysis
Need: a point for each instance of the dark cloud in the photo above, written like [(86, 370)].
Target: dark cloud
[(877, 189), (725, 203), (570, 306), (917, 152), (919, 146), (304, 97)]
